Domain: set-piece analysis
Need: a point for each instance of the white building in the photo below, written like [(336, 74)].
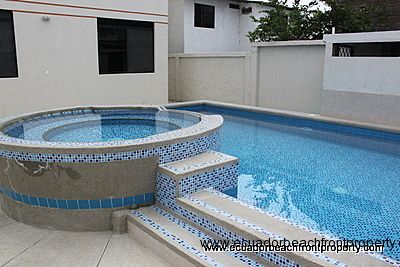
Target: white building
[(68, 53), (201, 26)]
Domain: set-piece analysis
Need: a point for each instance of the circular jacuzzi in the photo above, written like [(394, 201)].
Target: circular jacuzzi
[(70, 169)]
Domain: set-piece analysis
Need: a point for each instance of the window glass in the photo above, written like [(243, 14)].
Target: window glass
[(204, 16), (125, 46), (8, 56)]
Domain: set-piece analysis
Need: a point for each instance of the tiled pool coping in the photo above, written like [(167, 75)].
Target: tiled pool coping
[(302, 119), (206, 125)]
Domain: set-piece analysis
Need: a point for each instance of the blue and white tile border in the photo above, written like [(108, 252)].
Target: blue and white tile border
[(166, 194), (220, 158), (176, 239), (203, 236), (206, 123), (166, 153)]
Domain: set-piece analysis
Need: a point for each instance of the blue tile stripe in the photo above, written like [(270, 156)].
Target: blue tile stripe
[(81, 204)]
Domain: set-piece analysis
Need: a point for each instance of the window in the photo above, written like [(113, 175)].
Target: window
[(204, 16), (125, 46), (383, 49), (8, 55), (234, 6)]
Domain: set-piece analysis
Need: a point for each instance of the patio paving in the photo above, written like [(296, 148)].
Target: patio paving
[(23, 245)]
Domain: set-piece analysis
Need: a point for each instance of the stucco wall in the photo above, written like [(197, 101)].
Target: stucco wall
[(225, 36), (176, 24), (271, 75), (219, 77), (229, 34), (374, 75), (290, 75), (58, 61), (247, 24)]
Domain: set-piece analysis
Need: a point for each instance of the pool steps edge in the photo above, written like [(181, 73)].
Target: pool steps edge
[(255, 225), (176, 241)]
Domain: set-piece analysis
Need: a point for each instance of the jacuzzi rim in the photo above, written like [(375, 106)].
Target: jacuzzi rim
[(206, 125)]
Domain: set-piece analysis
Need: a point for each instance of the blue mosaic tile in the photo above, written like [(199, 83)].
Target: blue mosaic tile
[(52, 203), (94, 204), (62, 204), (167, 153), (128, 201), (139, 199), (117, 202), (32, 200), (147, 199), (83, 204), (72, 204), (43, 202), (166, 196)]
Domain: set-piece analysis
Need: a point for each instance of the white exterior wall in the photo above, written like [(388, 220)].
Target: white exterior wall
[(223, 38), (229, 34), (176, 23), (247, 24), (58, 59)]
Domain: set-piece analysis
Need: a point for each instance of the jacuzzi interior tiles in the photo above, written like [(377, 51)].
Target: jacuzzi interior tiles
[(38, 130), (342, 185)]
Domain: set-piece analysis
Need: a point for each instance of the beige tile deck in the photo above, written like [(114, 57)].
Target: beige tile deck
[(22, 245)]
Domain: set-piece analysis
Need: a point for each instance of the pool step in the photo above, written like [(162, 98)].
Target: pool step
[(176, 241), (209, 169), (254, 224)]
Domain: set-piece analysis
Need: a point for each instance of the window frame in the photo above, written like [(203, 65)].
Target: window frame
[(16, 74), (124, 23), (195, 16)]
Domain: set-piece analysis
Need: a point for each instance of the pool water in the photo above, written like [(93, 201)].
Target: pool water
[(342, 184), (105, 130)]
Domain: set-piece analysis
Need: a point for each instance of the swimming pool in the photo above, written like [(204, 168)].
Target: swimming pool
[(338, 180)]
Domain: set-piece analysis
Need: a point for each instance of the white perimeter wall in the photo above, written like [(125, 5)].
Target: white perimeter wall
[(58, 61), (362, 88), (282, 75), (372, 75), (219, 77), (290, 75)]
